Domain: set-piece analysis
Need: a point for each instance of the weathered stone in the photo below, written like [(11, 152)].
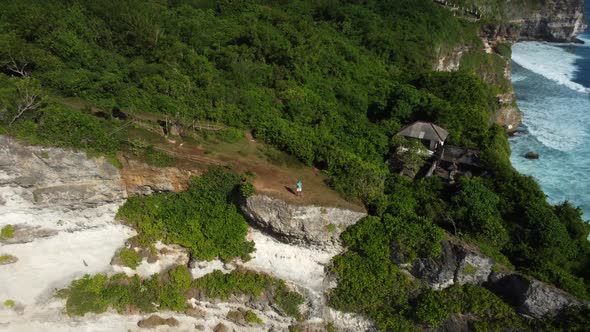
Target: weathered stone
[(155, 321), (59, 177), (459, 263), (195, 312), (531, 297), (142, 179), (531, 155), (221, 328), (299, 224)]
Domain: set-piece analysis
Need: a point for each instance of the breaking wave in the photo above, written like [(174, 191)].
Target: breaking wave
[(554, 62)]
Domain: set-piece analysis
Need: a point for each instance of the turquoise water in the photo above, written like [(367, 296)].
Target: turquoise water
[(552, 84)]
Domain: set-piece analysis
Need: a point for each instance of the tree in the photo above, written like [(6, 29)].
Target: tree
[(30, 97)]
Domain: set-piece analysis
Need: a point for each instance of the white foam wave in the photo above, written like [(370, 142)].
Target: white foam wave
[(550, 61)]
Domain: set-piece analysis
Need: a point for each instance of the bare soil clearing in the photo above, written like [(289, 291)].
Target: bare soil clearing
[(275, 172)]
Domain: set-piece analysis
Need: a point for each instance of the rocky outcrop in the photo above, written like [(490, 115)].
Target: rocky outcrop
[(554, 20), (299, 224), (531, 297), (549, 20), (58, 177), (142, 179), (452, 60), (459, 263), (154, 321)]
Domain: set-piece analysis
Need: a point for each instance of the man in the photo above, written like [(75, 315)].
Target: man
[(299, 188)]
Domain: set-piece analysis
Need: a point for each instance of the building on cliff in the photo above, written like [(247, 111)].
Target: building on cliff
[(430, 134)]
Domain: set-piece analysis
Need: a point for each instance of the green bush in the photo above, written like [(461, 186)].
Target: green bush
[(130, 258), (7, 232), (252, 318), (9, 303), (247, 189), (220, 285), (84, 131), (204, 218)]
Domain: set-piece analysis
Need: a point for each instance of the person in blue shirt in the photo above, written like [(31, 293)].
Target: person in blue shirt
[(299, 188)]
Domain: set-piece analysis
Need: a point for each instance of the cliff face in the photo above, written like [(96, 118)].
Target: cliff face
[(554, 20), (547, 20), (320, 226), (461, 263)]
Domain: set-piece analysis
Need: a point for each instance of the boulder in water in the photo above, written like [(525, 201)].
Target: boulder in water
[(531, 155)]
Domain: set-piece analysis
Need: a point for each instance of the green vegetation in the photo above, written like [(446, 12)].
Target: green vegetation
[(470, 269), (130, 258), (9, 303), (330, 83), (7, 232), (247, 189), (204, 218), (4, 258), (490, 67), (433, 307), (220, 285), (331, 228), (98, 293), (169, 292), (252, 318), (149, 154)]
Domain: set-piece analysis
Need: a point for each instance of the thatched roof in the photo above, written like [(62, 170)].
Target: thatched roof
[(424, 130)]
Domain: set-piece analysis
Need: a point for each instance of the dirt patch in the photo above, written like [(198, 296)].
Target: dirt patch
[(142, 179), (274, 172), (155, 320)]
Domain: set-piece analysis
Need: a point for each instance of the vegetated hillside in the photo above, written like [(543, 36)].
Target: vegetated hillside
[(329, 82)]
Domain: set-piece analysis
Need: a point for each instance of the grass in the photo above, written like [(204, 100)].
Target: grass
[(7, 232)]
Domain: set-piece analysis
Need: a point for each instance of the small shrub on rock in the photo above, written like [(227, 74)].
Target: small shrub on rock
[(130, 258), (7, 232)]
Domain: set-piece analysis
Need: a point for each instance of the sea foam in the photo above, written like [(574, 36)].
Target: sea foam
[(552, 61)]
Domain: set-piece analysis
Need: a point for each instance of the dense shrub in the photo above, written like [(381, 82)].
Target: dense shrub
[(204, 218), (130, 258), (220, 285)]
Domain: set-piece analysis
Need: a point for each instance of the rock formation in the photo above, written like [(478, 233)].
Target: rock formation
[(142, 179), (313, 225), (531, 297), (461, 263), (58, 177), (554, 20)]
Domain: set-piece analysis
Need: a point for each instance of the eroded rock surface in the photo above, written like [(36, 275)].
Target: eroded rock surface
[(154, 321), (299, 224), (459, 263), (58, 177), (531, 297), (142, 179)]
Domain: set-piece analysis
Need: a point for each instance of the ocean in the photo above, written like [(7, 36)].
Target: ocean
[(552, 85)]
